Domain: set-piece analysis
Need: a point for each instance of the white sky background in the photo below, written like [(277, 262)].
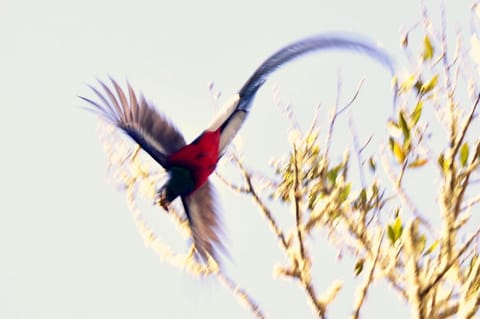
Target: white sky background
[(68, 244)]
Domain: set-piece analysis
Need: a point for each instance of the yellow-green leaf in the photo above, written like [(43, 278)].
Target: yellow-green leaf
[(408, 84), (417, 112), (428, 49), (443, 162), (418, 86), (371, 164), (430, 85), (464, 150), (395, 230), (345, 192), (431, 248), (359, 267), (398, 152), (397, 226), (418, 163), (404, 126)]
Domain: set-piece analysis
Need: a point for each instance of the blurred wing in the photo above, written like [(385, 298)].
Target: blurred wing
[(139, 119), (203, 216)]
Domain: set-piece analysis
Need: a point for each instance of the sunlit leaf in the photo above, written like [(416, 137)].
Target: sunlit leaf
[(397, 151), (428, 49), (418, 163), (404, 126), (390, 234), (431, 248), (371, 164), (464, 150), (393, 128), (395, 230), (430, 85), (408, 84), (443, 162), (417, 112), (345, 192), (358, 267), (333, 173)]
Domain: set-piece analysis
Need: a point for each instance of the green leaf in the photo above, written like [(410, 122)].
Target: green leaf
[(395, 230), (345, 192), (333, 173), (418, 86), (358, 267), (404, 126), (372, 165), (363, 196), (408, 84), (443, 162), (430, 85), (464, 150), (417, 112), (390, 234), (397, 151), (428, 49), (431, 248)]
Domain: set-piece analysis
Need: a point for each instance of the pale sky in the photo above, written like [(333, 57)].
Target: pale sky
[(68, 245)]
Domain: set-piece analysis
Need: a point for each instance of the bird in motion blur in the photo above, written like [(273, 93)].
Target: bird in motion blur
[(190, 165)]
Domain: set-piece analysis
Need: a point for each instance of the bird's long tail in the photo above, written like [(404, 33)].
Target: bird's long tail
[(328, 41)]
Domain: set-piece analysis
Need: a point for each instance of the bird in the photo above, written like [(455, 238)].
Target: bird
[(189, 166)]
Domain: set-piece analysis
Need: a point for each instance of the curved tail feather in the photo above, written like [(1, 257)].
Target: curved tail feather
[(237, 111), (328, 41)]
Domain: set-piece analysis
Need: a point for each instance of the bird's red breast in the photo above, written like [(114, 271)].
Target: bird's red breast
[(200, 156)]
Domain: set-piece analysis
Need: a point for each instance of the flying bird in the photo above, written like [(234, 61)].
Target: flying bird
[(190, 165)]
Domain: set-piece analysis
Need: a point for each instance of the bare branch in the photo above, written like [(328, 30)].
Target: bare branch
[(369, 279), (266, 212), (447, 267), (241, 295), (297, 197)]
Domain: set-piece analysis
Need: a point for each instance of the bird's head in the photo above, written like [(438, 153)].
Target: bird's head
[(180, 182)]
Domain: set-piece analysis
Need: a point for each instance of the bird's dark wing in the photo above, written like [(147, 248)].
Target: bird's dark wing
[(322, 42), (139, 119), (203, 216)]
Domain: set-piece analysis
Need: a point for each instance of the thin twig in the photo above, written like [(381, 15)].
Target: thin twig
[(336, 112), (241, 294), (401, 192), (364, 289), (465, 127), (266, 212), (447, 267), (297, 196)]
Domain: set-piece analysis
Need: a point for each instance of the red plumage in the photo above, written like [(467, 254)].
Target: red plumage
[(200, 157), (192, 164)]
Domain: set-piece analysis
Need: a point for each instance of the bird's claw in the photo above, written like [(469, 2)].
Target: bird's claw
[(162, 201)]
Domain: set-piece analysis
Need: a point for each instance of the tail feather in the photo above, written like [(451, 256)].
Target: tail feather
[(236, 112), (322, 42)]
